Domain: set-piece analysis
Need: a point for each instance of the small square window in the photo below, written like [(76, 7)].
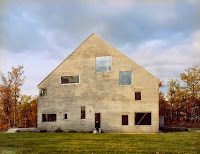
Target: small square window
[(42, 92), (125, 78), (124, 119), (65, 116), (138, 96)]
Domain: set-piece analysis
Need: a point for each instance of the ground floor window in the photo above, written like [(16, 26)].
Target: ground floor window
[(138, 96), (48, 117), (124, 119), (82, 112), (65, 116), (143, 118)]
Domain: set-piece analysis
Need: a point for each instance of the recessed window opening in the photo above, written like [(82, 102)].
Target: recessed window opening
[(124, 119), (143, 118), (69, 79), (125, 78), (48, 117), (83, 112), (42, 92), (104, 64), (138, 96)]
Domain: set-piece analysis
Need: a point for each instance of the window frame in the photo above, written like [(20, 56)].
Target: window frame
[(69, 83), (143, 112), (131, 78), (47, 118), (122, 119), (141, 96), (102, 65)]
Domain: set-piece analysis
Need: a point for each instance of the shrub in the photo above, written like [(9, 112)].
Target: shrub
[(58, 130)]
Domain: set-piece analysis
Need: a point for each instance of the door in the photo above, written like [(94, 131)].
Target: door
[(97, 121)]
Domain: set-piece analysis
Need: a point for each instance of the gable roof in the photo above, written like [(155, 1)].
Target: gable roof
[(80, 46)]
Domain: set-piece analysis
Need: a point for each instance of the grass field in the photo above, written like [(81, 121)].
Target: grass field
[(173, 142)]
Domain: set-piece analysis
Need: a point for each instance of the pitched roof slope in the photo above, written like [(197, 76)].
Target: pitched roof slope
[(82, 44)]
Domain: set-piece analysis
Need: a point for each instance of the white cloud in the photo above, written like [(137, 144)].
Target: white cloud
[(164, 58)]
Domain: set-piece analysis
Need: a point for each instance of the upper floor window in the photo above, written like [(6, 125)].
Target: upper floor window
[(69, 79), (104, 64), (138, 96), (43, 92), (125, 78)]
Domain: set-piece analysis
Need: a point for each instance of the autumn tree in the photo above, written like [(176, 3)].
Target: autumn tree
[(191, 78), (6, 100), (17, 78)]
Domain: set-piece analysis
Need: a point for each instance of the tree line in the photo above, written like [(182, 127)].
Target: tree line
[(181, 105), (16, 110)]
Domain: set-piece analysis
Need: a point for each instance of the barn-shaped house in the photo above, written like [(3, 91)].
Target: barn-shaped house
[(98, 87)]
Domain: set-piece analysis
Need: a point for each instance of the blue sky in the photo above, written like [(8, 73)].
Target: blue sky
[(162, 36)]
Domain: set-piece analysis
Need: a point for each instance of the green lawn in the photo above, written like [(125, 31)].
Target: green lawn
[(182, 142)]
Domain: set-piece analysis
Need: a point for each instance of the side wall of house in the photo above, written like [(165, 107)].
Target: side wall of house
[(98, 92)]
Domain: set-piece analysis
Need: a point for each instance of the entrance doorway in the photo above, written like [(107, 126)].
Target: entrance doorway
[(97, 121)]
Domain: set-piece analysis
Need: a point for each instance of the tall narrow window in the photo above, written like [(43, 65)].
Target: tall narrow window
[(125, 78), (124, 119), (69, 79), (83, 112), (104, 64), (65, 116), (143, 118), (138, 96), (48, 117)]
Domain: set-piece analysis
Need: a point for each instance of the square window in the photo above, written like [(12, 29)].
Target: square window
[(125, 78), (143, 118), (138, 96), (124, 119), (43, 92), (104, 64), (69, 79), (65, 116)]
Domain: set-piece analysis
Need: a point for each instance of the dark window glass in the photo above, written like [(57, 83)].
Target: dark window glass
[(65, 116), (69, 79), (124, 119), (125, 78), (142, 118), (48, 117), (137, 95), (83, 112), (43, 92)]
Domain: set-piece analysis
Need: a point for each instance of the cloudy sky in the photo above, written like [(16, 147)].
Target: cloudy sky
[(162, 36)]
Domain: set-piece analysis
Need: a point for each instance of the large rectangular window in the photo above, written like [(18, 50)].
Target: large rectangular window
[(142, 118), (124, 119), (104, 64), (82, 112), (138, 96), (69, 79), (48, 117), (125, 78)]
